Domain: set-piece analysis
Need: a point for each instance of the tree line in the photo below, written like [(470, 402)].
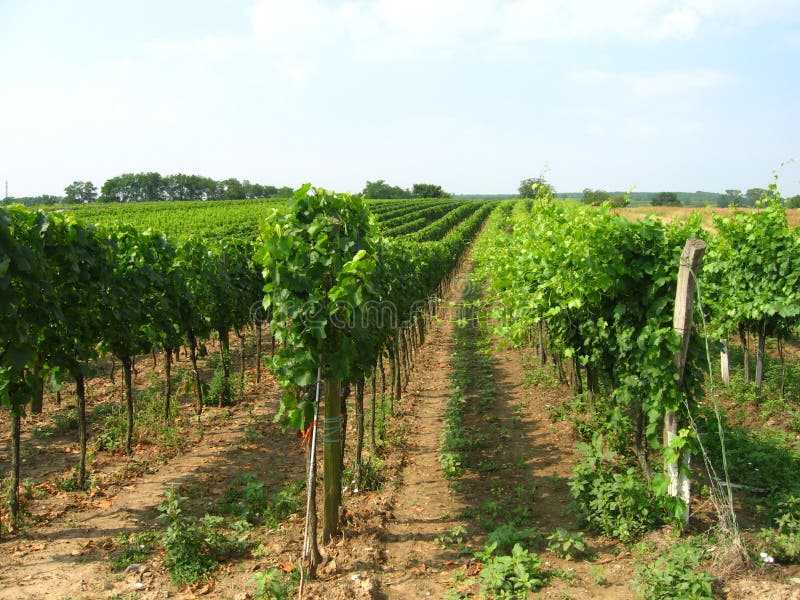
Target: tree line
[(381, 190), (152, 186)]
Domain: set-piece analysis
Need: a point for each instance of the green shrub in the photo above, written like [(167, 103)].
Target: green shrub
[(246, 499), (221, 390), (673, 575), (134, 548), (510, 576), (193, 547), (567, 545), (285, 502), (274, 584), (507, 536), (783, 542), (614, 498)]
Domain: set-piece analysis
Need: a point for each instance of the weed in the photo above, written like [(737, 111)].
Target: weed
[(251, 434), (221, 390), (64, 421), (783, 542), (567, 545), (510, 576), (247, 499), (507, 536), (454, 539), (372, 479), (599, 574), (673, 575), (274, 584), (133, 548), (69, 483), (612, 497), (285, 502), (193, 547)]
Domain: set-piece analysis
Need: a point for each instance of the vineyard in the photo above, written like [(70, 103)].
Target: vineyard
[(264, 335)]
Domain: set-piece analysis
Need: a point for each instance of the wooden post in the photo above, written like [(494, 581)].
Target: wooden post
[(691, 263), (724, 362), (332, 459)]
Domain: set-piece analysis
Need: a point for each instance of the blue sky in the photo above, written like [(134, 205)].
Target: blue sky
[(473, 95)]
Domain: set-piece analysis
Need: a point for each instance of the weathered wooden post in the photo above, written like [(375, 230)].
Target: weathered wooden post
[(332, 459), (724, 362), (691, 263)]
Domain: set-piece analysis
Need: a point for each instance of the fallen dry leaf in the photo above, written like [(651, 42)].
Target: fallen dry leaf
[(286, 567)]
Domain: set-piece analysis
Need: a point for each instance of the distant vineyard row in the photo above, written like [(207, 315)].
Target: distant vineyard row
[(239, 219)]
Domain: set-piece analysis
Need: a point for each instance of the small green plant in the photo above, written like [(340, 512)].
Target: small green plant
[(251, 434), (612, 497), (372, 479), (510, 576), (134, 548), (492, 509), (674, 574), (67, 483), (451, 464), (64, 421), (274, 584), (221, 390), (288, 500), (193, 547), (454, 539), (783, 542), (599, 574), (507, 536), (567, 545), (246, 499), (488, 466)]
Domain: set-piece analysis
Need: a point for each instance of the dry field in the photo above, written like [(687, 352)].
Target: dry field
[(672, 213)]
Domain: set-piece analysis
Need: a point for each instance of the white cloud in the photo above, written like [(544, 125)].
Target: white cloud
[(299, 37), (208, 48), (681, 24), (656, 84)]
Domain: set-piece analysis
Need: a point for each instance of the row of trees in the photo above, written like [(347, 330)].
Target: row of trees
[(141, 187), (137, 187), (382, 190)]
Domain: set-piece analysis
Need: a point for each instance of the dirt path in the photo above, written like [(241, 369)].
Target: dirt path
[(424, 506), (531, 453)]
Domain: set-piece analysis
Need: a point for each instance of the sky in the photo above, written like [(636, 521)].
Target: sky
[(472, 95)]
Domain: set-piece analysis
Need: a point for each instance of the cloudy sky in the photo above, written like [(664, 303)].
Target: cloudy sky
[(473, 95)]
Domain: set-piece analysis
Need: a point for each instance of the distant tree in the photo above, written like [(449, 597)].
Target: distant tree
[(793, 202), (619, 200), (428, 190), (731, 198), (381, 189), (231, 189), (665, 199), (148, 186), (80, 192), (284, 192), (754, 195), (598, 197), (536, 187), (130, 187), (594, 197)]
